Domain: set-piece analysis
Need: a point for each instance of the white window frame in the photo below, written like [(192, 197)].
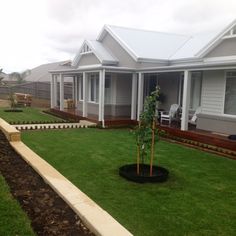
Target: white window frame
[(191, 93), (225, 85), (94, 76)]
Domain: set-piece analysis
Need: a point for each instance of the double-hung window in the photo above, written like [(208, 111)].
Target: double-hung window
[(81, 89), (230, 93), (196, 88), (94, 88)]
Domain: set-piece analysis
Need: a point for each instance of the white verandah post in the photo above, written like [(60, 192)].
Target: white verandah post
[(52, 91), (85, 95), (140, 94), (186, 100), (55, 91), (61, 92), (76, 91), (134, 97), (101, 95), (73, 88)]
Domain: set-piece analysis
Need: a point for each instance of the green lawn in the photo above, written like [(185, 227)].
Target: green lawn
[(198, 199), (13, 221), (28, 114)]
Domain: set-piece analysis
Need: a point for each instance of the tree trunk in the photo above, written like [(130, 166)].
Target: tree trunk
[(152, 146)]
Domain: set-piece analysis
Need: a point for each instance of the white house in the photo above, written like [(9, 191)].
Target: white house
[(113, 74)]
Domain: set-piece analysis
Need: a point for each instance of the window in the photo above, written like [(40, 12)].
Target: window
[(150, 84), (195, 92), (85, 49), (230, 93), (108, 88), (81, 90), (196, 88), (94, 88)]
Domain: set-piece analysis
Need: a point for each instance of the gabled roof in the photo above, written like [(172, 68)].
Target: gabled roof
[(193, 46), (143, 44), (150, 45), (103, 55), (41, 73)]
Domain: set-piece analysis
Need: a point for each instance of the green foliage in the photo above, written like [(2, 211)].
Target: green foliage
[(13, 101), (19, 77), (13, 221), (29, 114), (143, 131)]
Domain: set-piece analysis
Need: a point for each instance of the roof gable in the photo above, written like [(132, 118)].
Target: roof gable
[(226, 33), (98, 50)]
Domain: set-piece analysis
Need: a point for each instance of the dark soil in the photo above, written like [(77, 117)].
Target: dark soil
[(48, 213), (13, 110), (129, 172)]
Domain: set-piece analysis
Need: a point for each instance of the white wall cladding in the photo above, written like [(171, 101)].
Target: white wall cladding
[(123, 57), (226, 48), (123, 89), (213, 92), (88, 59)]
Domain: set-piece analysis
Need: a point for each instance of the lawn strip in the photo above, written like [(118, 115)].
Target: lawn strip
[(49, 214)]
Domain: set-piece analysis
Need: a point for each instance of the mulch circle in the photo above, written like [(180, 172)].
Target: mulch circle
[(48, 213), (129, 172)]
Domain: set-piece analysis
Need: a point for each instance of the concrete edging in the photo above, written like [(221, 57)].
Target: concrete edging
[(93, 216)]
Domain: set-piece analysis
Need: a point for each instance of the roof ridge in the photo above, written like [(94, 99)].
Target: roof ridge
[(181, 46), (146, 30)]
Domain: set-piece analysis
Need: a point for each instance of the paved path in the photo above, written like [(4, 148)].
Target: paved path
[(81, 124)]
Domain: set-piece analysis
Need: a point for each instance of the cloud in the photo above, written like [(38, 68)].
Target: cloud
[(35, 32)]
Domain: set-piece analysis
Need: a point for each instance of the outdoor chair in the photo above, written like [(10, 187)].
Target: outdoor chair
[(173, 114), (193, 120)]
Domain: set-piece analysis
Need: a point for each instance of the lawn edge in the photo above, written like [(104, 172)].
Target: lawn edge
[(94, 217)]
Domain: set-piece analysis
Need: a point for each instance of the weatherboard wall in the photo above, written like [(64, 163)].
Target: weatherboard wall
[(88, 59), (225, 48), (213, 92)]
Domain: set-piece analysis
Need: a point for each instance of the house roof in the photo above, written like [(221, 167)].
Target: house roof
[(41, 73), (193, 46), (101, 52), (147, 44), (151, 45)]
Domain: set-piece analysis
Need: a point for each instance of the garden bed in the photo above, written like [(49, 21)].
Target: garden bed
[(49, 214)]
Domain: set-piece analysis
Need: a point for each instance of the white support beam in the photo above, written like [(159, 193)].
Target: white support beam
[(52, 92), (186, 100), (61, 92), (76, 92), (134, 97), (55, 91), (73, 87), (85, 94), (101, 95), (140, 94)]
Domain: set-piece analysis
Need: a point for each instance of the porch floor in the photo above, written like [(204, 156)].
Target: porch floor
[(109, 120), (193, 134), (203, 138)]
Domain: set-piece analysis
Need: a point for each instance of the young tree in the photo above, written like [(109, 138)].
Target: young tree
[(19, 77), (146, 130)]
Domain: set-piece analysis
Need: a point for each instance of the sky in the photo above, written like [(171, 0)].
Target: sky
[(34, 32)]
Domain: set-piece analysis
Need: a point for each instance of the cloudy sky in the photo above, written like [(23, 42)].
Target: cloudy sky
[(34, 32)]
